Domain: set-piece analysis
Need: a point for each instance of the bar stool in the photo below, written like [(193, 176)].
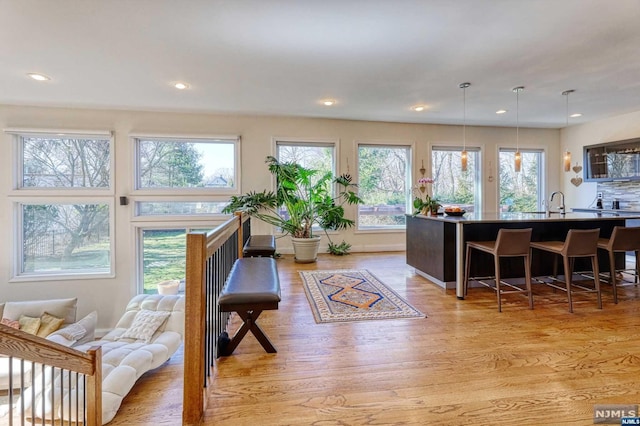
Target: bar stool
[(509, 243), (579, 243), (622, 239)]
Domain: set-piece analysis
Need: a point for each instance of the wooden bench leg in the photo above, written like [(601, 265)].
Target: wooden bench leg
[(249, 324)]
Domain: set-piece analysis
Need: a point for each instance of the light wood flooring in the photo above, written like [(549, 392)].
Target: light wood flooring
[(465, 364)]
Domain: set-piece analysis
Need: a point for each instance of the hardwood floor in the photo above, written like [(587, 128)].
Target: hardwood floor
[(465, 363)]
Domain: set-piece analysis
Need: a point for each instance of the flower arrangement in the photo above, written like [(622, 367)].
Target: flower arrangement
[(423, 202)]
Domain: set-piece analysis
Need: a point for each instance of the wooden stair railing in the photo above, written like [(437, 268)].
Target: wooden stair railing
[(16, 344), (209, 259)]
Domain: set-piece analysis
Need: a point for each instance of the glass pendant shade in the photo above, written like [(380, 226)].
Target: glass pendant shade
[(464, 158), (567, 161), (517, 166)]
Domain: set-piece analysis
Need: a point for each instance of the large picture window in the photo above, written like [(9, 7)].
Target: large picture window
[(452, 186), (384, 184), (521, 191), (65, 239), (63, 205), (179, 164), (313, 155)]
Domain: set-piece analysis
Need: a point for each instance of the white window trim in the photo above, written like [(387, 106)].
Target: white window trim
[(18, 276), (411, 144), (179, 192), (136, 217)]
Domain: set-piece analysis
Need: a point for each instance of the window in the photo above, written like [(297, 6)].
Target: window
[(452, 186), (313, 155), (63, 205), (172, 164), (65, 239), (384, 184), (316, 155), (163, 255), (522, 191)]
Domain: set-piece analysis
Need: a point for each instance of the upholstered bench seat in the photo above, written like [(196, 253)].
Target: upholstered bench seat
[(260, 246), (252, 286)]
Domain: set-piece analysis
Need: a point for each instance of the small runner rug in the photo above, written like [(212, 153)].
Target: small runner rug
[(350, 295)]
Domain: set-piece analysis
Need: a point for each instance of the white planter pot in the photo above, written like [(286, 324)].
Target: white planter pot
[(305, 249)]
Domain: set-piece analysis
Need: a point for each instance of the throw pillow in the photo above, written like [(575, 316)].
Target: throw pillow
[(48, 324), (72, 332), (29, 324), (62, 308), (10, 323), (80, 332), (145, 324)]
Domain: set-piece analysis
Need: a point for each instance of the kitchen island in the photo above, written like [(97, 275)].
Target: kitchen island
[(436, 244)]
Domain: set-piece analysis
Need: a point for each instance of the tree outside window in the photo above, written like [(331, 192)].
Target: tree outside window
[(452, 186), (521, 191), (384, 183)]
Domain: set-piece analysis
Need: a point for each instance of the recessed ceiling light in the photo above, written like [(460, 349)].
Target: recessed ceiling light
[(38, 77), (180, 85), (576, 115), (501, 111), (328, 102), (418, 108)]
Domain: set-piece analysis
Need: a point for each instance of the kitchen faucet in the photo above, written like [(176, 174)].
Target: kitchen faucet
[(561, 209)]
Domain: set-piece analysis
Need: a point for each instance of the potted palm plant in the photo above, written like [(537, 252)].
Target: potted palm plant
[(303, 199)]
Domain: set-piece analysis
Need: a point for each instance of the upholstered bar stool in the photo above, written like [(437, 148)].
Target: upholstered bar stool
[(509, 243), (579, 243), (622, 239)]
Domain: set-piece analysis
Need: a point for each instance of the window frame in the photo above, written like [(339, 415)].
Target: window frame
[(410, 145), (19, 276), (178, 192), (478, 191), (20, 196), (542, 175)]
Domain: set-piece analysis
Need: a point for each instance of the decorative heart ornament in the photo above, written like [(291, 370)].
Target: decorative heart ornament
[(576, 180), (577, 168)]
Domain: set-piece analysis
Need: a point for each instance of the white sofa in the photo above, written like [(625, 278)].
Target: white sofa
[(146, 336)]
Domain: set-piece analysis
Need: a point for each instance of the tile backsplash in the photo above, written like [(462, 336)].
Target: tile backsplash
[(628, 193)]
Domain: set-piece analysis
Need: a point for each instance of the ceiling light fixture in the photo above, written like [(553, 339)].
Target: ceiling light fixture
[(518, 156), (328, 102), (418, 108), (180, 85), (463, 154), (576, 115), (38, 77), (567, 154), (501, 111)]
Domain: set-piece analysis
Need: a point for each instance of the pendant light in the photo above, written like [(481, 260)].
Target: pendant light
[(463, 155), (567, 154), (518, 156)]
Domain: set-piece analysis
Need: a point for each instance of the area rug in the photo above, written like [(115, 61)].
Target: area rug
[(353, 295)]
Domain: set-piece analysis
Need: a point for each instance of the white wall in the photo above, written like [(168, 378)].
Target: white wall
[(621, 127), (109, 296)]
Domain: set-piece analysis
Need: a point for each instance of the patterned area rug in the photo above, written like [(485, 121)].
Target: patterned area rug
[(349, 295)]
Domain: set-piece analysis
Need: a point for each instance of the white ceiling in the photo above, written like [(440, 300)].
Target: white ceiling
[(281, 57)]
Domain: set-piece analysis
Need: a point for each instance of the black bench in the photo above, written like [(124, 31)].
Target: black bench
[(252, 286), (260, 246)]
